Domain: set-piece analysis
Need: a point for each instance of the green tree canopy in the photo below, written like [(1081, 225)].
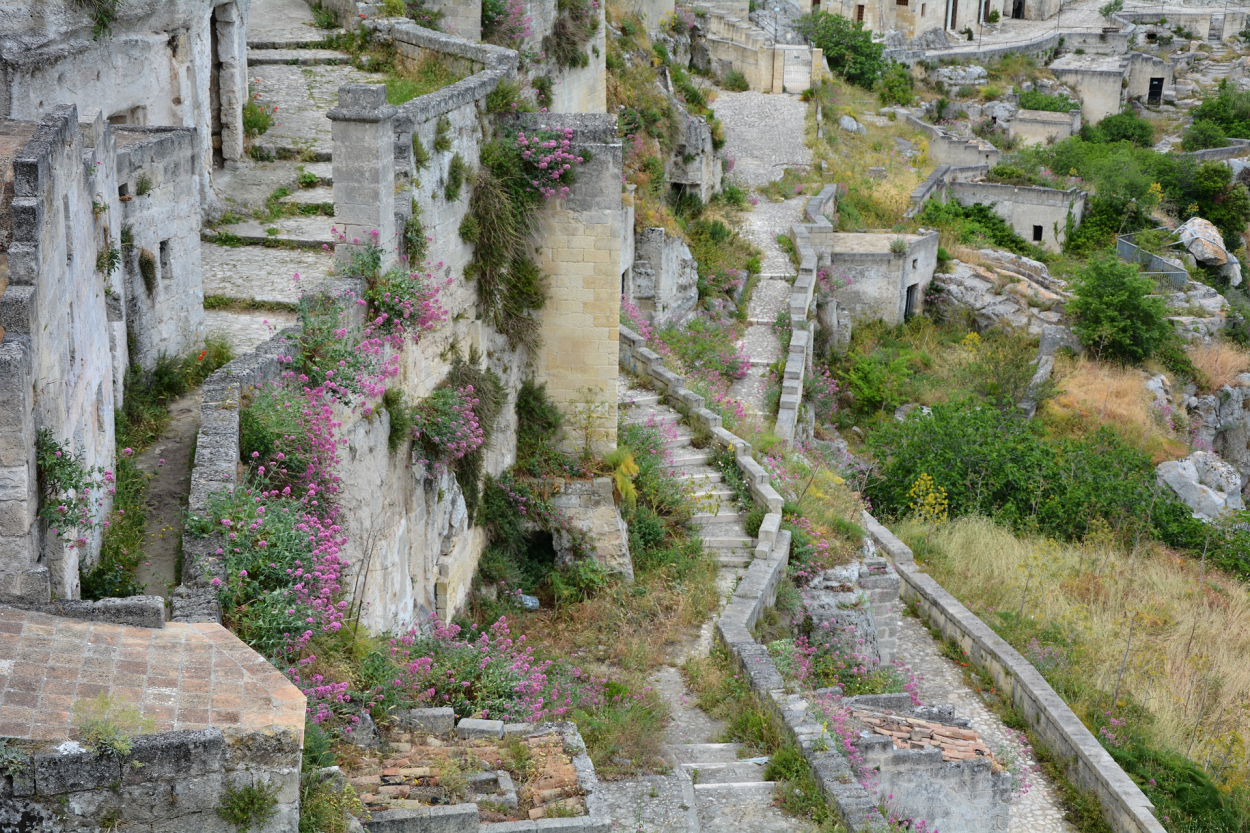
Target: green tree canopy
[(848, 47), (1114, 313)]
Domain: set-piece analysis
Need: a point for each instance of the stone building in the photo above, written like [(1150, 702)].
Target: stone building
[(881, 283), (75, 235), (1105, 82), (178, 63), (1041, 216)]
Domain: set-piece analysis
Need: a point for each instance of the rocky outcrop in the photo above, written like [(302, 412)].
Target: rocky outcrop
[(961, 76), (1204, 241), (1205, 483), (694, 164), (1221, 422), (934, 38), (996, 297), (589, 507), (665, 280), (851, 126)]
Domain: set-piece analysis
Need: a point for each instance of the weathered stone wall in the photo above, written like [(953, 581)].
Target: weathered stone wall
[(945, 149), (880, 278), (59, 319), (1025, 208), (590, 506), (1143, 67), (1098, 80), (156, 67), (1039, 127), (664, 281), (164, 223), (580, 251)]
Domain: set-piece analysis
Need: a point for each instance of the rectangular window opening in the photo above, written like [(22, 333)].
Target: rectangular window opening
[(1037, 234), (922, 8), (167, 270), (859, 14)]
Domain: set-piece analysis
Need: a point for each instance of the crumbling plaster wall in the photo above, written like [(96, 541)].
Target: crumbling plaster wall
[(164, 224), (154, 68), (879, 278), (61, 319)]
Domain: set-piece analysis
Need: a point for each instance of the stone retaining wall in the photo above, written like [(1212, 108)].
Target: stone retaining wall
[(940, 178), (801, 309), (946, 149), (1086, 762), (1234, 149)]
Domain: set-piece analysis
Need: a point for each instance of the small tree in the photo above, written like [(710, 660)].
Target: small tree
[(1111, 8), (1114, 313), (1204, 134), (1122, 127), (848, 47)]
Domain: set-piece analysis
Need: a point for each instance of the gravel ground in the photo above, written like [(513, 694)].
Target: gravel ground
[(764, 133)]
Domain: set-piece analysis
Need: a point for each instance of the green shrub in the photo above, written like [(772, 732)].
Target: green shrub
[(249, 806), (848, 47), (109, 726), (538, 431), (455, 178), (978, 221), (1034, 100), (147, 270), (1204, 134), (1229, 109), (442, 135), (1114, 313), (896, 86), (576, 23), (734, 80), (1121, 127), (420, 156), (257, 119)]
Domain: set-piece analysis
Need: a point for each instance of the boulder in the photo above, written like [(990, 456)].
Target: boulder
[(1221, 421), (1203, 240), (1205, 483), (971, 75), (851, 126)]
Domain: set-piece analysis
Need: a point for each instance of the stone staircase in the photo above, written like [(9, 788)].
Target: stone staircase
[(717, 515)]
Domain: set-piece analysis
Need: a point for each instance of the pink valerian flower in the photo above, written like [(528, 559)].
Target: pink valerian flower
[(549, 159)]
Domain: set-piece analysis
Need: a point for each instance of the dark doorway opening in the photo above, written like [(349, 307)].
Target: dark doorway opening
[(214, 89), (1037, 234), (1017, 10), (912, 305), (1155, 94)]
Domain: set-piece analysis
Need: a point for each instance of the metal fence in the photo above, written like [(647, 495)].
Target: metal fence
[(1153, 266)]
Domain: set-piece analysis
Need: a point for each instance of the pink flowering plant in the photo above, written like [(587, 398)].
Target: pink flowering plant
[(505, 23), (445, 426), (71, 494), (548, 157)]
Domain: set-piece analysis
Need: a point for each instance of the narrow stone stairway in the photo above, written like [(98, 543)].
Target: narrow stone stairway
[(712, 786)]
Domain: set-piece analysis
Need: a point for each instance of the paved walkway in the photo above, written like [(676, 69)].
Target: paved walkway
[(1036, 807)]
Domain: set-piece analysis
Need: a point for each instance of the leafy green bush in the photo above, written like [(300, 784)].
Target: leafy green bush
[(538, 430), (576, 23), (1114, 312), (876, 382), (848, 47), (1229, 109), (1034, 100), (1204, 134), (978, 221), (1121, 127), (896, 86), (706, 348), (996, 463), (734, 80)]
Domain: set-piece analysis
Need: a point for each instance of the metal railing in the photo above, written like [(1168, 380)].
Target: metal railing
[(1163, 272)]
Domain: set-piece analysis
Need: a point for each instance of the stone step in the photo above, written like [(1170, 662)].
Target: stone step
[(318, 195), (745, 790), (704, 478), (680, 441), (759, 322), (297, 57), (293, 43), (723, 494), (738, 772), (641, 399), (641, 417), (734, 561), (689, 457), (729, 542), (707, 753), (725, 515)]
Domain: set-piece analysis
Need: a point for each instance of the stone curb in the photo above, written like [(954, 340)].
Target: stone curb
[(1085, 760)]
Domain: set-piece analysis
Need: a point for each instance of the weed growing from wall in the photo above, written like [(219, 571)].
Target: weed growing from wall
[(576, 23), (250, 806), (103, 15), (147, 270), (455, 178), (109, 726)]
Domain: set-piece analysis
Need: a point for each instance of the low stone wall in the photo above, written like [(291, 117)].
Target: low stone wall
[(1026, 207), (939, 179), (946, 149), (590, 506), (1234, 149), (1085, 761), (802, 296), (137, 611)]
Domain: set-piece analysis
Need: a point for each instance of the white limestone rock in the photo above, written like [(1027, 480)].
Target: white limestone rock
[(1205, 483)]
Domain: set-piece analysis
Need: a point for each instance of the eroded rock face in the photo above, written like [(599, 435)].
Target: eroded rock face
[(962, 75), (1203, 240), (665, 281), (1221, 422), (934, 38), (1205, 483), (992, 301)]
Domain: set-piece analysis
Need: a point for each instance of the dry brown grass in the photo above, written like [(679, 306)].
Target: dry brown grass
[(1220, 363), (1093, 394), (1189, 662)]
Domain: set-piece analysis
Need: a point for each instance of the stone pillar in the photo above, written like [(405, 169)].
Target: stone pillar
[(364, 169), (20, 573), (579, 248)]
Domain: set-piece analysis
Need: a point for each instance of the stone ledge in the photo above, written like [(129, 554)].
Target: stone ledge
[(138, 611), (1086, 761)]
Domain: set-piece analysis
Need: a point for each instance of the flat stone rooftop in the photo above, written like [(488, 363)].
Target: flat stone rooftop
[(182, 676), (867, 242)]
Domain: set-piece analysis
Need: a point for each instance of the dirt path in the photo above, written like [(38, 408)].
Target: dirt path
[(168, 461)]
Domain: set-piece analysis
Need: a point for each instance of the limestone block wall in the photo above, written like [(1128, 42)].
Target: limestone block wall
[(945, 149), (1099, 82), (1143, 67), (164, 224), (580, 250), (156, 67), (58, 320), (1027, 208), (590, 506), (583, 89)]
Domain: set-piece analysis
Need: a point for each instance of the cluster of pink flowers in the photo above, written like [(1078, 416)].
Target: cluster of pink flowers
[(446, 426), (549, 158), (515, 25), (820, 392)]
